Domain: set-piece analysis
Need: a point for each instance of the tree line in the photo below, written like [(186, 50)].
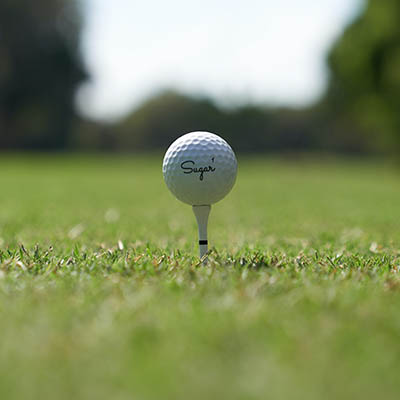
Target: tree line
[(41, 68)]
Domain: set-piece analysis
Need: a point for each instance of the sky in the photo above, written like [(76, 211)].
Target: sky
[(266, 51)]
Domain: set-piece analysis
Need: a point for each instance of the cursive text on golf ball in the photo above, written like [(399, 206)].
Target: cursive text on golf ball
[(189, 168)]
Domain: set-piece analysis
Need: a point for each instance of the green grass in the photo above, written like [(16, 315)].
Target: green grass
[(102, 295)]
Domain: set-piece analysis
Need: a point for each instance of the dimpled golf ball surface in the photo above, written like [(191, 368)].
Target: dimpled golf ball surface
[(200, 168)]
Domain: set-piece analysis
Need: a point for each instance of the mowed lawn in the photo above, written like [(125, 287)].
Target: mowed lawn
[(102, 295)]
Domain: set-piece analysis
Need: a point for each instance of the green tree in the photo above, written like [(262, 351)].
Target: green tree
[(364, 91), (159, 120), (249, 128), (40, 69)]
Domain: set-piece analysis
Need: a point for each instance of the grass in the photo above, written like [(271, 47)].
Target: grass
[(102, 295)]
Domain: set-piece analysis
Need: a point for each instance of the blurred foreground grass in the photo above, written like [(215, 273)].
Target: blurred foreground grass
[(101, 294)]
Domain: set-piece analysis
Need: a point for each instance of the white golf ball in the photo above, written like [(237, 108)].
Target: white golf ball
[(200, 168)]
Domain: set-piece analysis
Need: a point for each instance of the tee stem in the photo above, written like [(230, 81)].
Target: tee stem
[(201, 213)]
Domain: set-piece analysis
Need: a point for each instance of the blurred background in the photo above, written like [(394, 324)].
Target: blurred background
[(288, 76)]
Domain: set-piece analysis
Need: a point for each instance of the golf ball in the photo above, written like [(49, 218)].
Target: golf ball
[(200, 168)]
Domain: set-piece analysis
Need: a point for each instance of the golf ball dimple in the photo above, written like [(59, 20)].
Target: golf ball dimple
[(200, 168)]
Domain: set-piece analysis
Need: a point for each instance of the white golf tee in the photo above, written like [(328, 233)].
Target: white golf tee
[(202, 213)]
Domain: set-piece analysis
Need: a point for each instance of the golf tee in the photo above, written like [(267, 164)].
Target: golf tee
[(202, 213)]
